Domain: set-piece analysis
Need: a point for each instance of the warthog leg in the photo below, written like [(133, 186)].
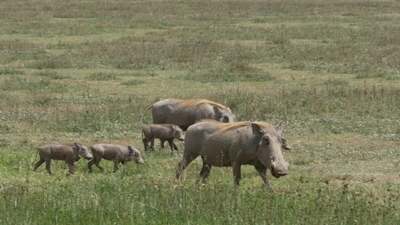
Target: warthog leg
[(152, 144), (262, 171), (116, 162), (162, 141), (172, 145), (205, 171), (176, 147), (97, 163), (182, 165), (38, 163), (145, 142), (90, 164), (71, 168), (48, 165), (236, 172)]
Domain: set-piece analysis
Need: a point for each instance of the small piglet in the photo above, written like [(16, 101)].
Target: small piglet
[(164, 132), (70, 153), (117, 153)]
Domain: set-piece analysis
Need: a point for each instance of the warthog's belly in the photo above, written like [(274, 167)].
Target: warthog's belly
[(110, 155), (217, 159)]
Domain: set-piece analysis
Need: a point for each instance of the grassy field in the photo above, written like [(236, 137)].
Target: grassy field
[(86, 70)]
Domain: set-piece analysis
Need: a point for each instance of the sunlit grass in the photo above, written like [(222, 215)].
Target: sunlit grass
[(86, 71)]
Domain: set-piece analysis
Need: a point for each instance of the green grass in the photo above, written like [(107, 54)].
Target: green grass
[(102, 76), (132, 82), (86, 71)]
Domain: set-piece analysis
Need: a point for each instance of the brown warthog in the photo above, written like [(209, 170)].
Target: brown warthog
[(117, 153), (187, 112), (69, 153), (164, 132), (234, 144)]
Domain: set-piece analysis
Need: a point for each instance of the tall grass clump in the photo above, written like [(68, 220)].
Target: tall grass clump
[(10, 71), (139, 200), (101, 76), (32, 85)]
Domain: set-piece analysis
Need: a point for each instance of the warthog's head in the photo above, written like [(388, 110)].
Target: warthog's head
[(135, 155), (82, 151), (178, 133), (269, 150), (224, 115)]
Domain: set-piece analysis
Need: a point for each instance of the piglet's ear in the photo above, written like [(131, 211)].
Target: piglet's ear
[(217, 111), (130, 151), (76, 146)]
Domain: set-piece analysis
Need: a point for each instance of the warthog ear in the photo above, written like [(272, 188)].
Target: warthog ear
[(130, 151), (76, 146), (285, 145), (280, 128), (217, 111), (257, 129)]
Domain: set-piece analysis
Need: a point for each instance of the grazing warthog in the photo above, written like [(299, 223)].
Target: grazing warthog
[(234, 144), (164, 132), (187, 112), (68, 153), (117, 153)]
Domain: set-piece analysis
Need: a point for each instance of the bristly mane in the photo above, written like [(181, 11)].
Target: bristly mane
[(227, 127), (196, 102)]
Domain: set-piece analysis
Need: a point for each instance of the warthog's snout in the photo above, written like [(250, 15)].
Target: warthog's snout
[(88, 155), (279, 169), (278, 174), (139, 161)]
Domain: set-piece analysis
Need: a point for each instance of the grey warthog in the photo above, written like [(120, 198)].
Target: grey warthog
[(187, 112), (70, 153), (116, 153), (234, 144), (164, 132)]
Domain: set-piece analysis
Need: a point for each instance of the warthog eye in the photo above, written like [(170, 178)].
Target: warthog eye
[(266, 140)]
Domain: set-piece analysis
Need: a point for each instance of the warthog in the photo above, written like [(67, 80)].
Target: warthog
[(234, 144), (187, 112), (117, 153), (164, 132), (69, 153)]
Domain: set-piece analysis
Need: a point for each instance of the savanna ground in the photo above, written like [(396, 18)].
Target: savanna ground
[(86, 70)]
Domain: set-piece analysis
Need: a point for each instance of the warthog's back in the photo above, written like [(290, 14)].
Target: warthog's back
[(109, 151), (186, 112), (160, 129), (56, 151)]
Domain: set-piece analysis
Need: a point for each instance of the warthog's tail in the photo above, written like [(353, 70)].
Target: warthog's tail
[(37, 156), (142, 134), (148, 107)]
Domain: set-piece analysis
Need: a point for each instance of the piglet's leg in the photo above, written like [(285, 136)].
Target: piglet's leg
[(71, 168), (116, 162), (38, 163), (48, 166)]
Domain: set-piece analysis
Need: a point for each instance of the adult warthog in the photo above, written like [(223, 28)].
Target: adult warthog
[(235, 144), (187, 112)]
